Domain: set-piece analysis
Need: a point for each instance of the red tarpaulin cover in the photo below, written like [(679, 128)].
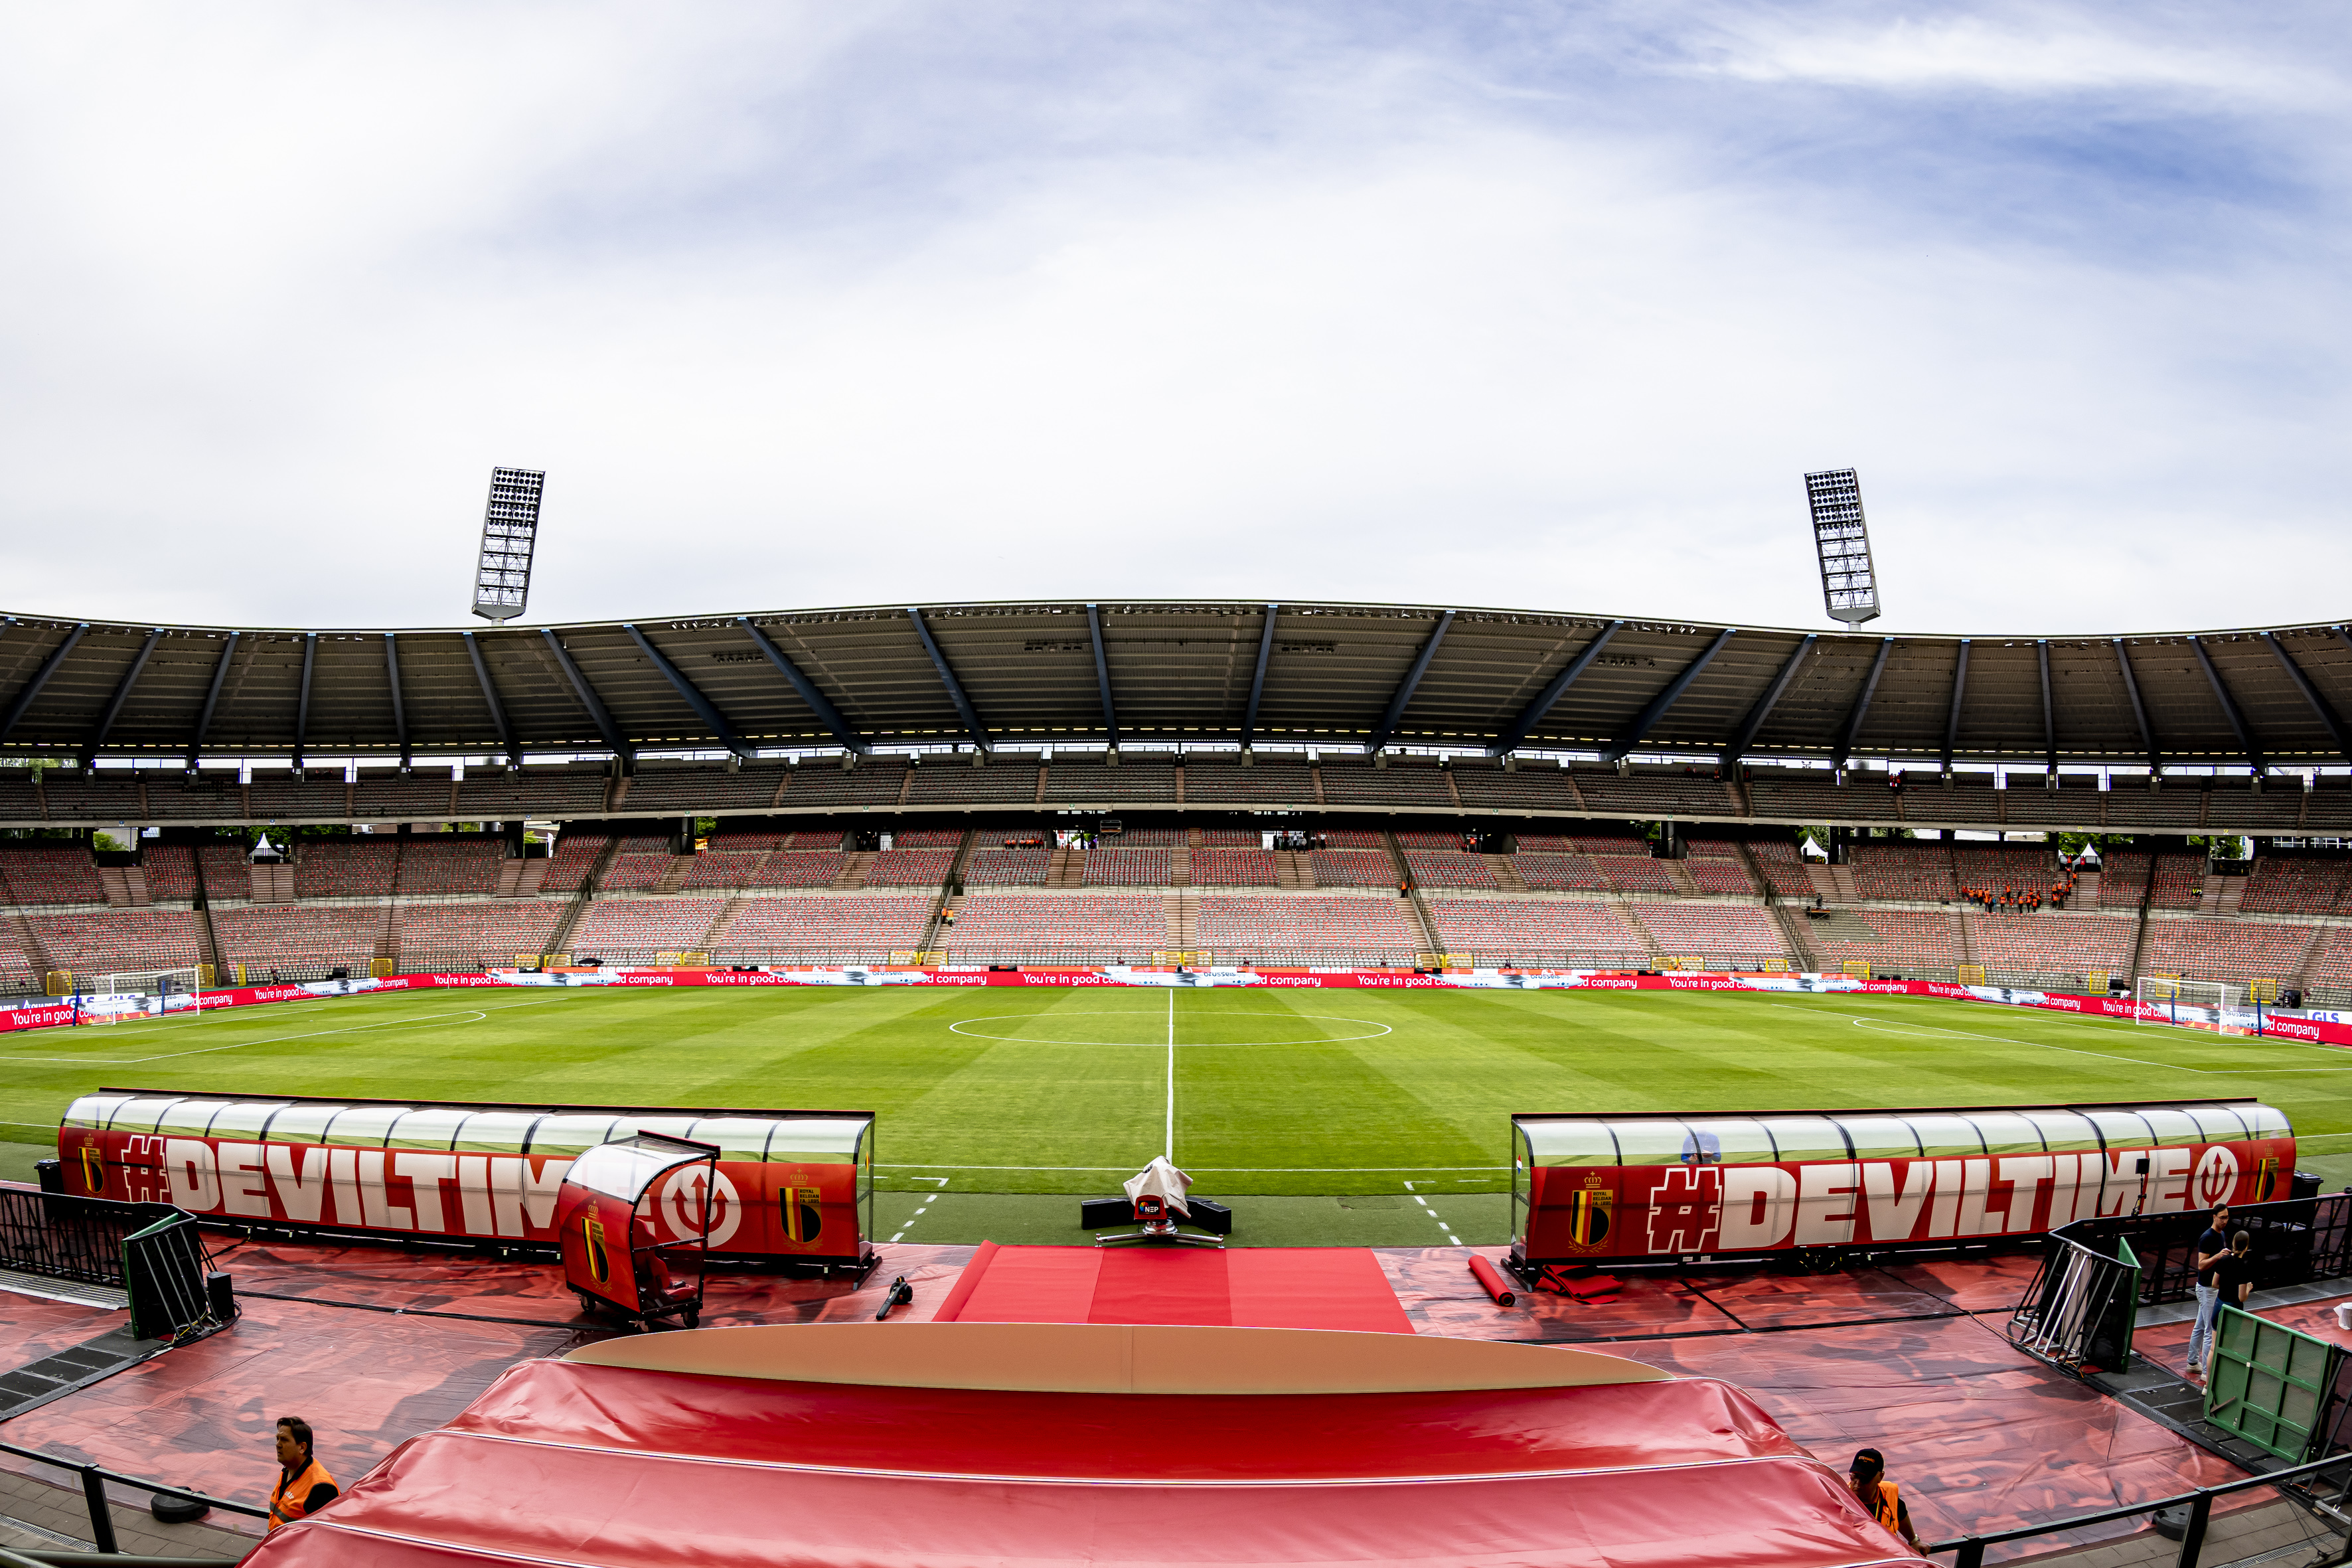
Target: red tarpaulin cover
[(1246, 1288), (562, 1462)]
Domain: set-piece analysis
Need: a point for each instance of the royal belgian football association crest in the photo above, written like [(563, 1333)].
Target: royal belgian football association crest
[(1591, 1210)]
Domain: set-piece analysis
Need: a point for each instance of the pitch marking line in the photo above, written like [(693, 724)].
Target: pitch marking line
[(1922, 1031), (471, 1015), (1172, 1044), (1206, 1170)]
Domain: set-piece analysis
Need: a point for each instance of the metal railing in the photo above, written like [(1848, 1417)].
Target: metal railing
[(1971, 1548), (61, 1236), (94, 1479), (2295, 1241)]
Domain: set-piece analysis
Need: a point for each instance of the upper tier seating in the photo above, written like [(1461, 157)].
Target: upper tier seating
[(2003, 867), (1557, 873), (1229, 838), (800, 869), (1549, 933), (1122, 866), (1007, 868), (1148, 838), (639, 868), (1917, 872), (1598, 840), (1352, 868), (2295, 885), (722, 868), (1721, 877), (1305, 929), (2123, 880), (575, 856), (1234, 867), (360, 867), (39, 873), (1353, 838), (866, 928), (2179, 882), (171, 871), (1101, 926), (1782, 866), (927, 839), (1439, 868), (910, 868), (1636, 873), (443, 864)]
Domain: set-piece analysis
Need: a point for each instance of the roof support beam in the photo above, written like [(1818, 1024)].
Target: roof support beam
[(2319, 705), (1959, 694), (818, 702), (703, 708), (121, 695), (1258, 680), (1403, 697), (597, 713), (2246, 741), (1102, 675), (1862, 703), (302, 703), (2139, 710), (1533, 714), (964, 709), (1766, 703), (2049, 715), (1647, 719), (24, 699), (399, 708), (211, 700), (489, 698)]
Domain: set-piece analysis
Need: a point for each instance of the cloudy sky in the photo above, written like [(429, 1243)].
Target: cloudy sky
[(1506, 304)]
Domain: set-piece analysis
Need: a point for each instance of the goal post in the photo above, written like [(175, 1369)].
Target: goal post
[(103, 998), (2220, 1005)]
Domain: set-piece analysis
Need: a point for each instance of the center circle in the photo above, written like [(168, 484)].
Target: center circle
[(1156, 1025)]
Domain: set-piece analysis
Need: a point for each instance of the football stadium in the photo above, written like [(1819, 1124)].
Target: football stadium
[(921, 1020)]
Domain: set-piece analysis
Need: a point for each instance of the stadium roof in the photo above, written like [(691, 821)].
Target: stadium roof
[(1146, 672)]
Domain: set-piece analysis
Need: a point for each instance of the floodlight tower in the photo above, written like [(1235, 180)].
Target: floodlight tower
[(1849, 586), (510, 534)]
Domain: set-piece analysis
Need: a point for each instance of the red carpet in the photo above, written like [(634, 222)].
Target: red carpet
[(1246, 1288)]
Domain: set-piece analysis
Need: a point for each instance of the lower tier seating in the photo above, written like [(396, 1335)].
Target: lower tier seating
[(1301, 928), (98, 942), (298, 942), (2209, 948), (866, 928), (632, 930), (1109, 927), (1548, 933), (1727, 936)]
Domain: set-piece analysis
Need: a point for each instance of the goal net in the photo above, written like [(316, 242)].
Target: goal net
[(2217, 1004), (133, 992)]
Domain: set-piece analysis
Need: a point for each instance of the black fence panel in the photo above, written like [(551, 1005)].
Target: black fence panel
[(2294, 1241), (2079, 1312), (61, 1236), (164, 1269)]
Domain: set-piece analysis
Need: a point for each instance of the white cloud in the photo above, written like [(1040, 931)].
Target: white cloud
[(800, 312)]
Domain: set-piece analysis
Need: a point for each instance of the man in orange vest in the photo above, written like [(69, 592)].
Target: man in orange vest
[(304, 1487), (1881, 1497)]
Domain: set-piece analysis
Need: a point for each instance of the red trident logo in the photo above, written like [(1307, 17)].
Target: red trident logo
[(1686, 1208), (2217, 1177)]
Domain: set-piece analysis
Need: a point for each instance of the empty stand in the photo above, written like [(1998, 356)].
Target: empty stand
[(575, 856), (865, 928), (1234, 867), (910, 868), (2207, 947), (634, 931), (1007, 868), (97, 943), (1558, 873), (1306, 929), (1083, 927), (51, 874), (358, 867), (1727, 936), (440, 863), (297, 941), (1447, 868), (1352, 868), (1917, 872), (1551, 932), (2051, 947), (2295, 885), (1119, 866)]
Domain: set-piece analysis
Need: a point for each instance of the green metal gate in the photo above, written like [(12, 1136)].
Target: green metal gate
[(2269, 1384)]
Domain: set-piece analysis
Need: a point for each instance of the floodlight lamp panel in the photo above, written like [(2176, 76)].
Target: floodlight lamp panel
[(1842, 545), (509, 537)]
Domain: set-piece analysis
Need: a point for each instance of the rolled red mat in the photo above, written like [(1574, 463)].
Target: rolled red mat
[(1487, 1275)]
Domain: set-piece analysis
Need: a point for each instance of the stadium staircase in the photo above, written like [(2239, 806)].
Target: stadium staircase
[(1841, 879), (2221, 895), (673, 877), (125, 886), (2298, 978), (950, 892), (1183, 912), (1792, 930), (2139, 937), (854, 868), (1508, 878), (708, 941), (271, 884), (559, 940), (521, 879), (1824, 886), (1292, 871), (37, 957), (1180, 863), (1633, 922), (1422, 920), (387, 936), (1069, 867)]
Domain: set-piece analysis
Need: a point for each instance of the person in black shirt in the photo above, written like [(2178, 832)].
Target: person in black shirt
[(2235, 1276), (2211, 1248)]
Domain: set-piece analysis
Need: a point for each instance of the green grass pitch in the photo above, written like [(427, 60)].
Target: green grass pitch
[(1375, 1117)]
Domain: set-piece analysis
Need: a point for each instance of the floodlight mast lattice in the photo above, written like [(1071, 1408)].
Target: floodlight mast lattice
[(1849, 586), (510, 534)]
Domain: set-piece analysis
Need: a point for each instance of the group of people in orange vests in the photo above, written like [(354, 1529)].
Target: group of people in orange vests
[(2023, 900)]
